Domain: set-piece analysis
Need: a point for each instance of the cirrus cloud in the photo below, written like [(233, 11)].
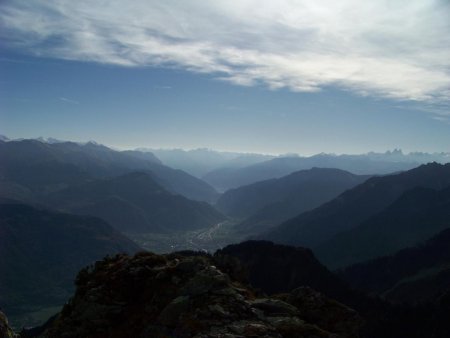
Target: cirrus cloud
[(394, 49)]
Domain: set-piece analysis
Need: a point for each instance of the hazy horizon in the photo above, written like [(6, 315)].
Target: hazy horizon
[(50, 139)]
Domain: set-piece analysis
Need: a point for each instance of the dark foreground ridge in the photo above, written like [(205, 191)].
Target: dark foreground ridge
[(187, 295), (276, 268)]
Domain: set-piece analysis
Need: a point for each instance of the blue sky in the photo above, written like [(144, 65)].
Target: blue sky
[(301, 76)]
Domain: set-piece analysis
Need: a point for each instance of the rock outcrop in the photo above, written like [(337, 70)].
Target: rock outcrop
[(324, 312), (5, 329), (180, 295)]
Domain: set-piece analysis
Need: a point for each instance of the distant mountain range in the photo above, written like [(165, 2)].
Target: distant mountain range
[(135, 203), (38, 167), (350, 210), (367, 164), (270, 202), (199, 162), (40, 139), (4, 138), (41, 252), (227, 170)]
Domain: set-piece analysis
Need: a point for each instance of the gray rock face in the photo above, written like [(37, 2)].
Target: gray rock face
[(274, 307), (324, 312)]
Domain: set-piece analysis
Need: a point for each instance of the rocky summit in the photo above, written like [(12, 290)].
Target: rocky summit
[(188, 295)]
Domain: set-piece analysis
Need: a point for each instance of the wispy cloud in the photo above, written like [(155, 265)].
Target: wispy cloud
[(388, 48), (165, 87), (9, 60), (70, 101)]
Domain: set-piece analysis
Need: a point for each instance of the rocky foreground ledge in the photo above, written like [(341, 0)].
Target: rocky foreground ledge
[(5, 329), (181, 295)]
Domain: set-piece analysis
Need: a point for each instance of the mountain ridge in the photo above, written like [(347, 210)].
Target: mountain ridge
[(44, 167), (354, 206), (416, 215), (388, 275), (136, 203), (268, 203), (225, 178)]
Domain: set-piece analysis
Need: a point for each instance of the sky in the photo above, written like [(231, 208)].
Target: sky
[(262, 76)]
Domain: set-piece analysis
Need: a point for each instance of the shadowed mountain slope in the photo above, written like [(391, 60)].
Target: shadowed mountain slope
[(415, 274), (416, 216), (41, 252), (350, 209), (271, 202), (135, 203)]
